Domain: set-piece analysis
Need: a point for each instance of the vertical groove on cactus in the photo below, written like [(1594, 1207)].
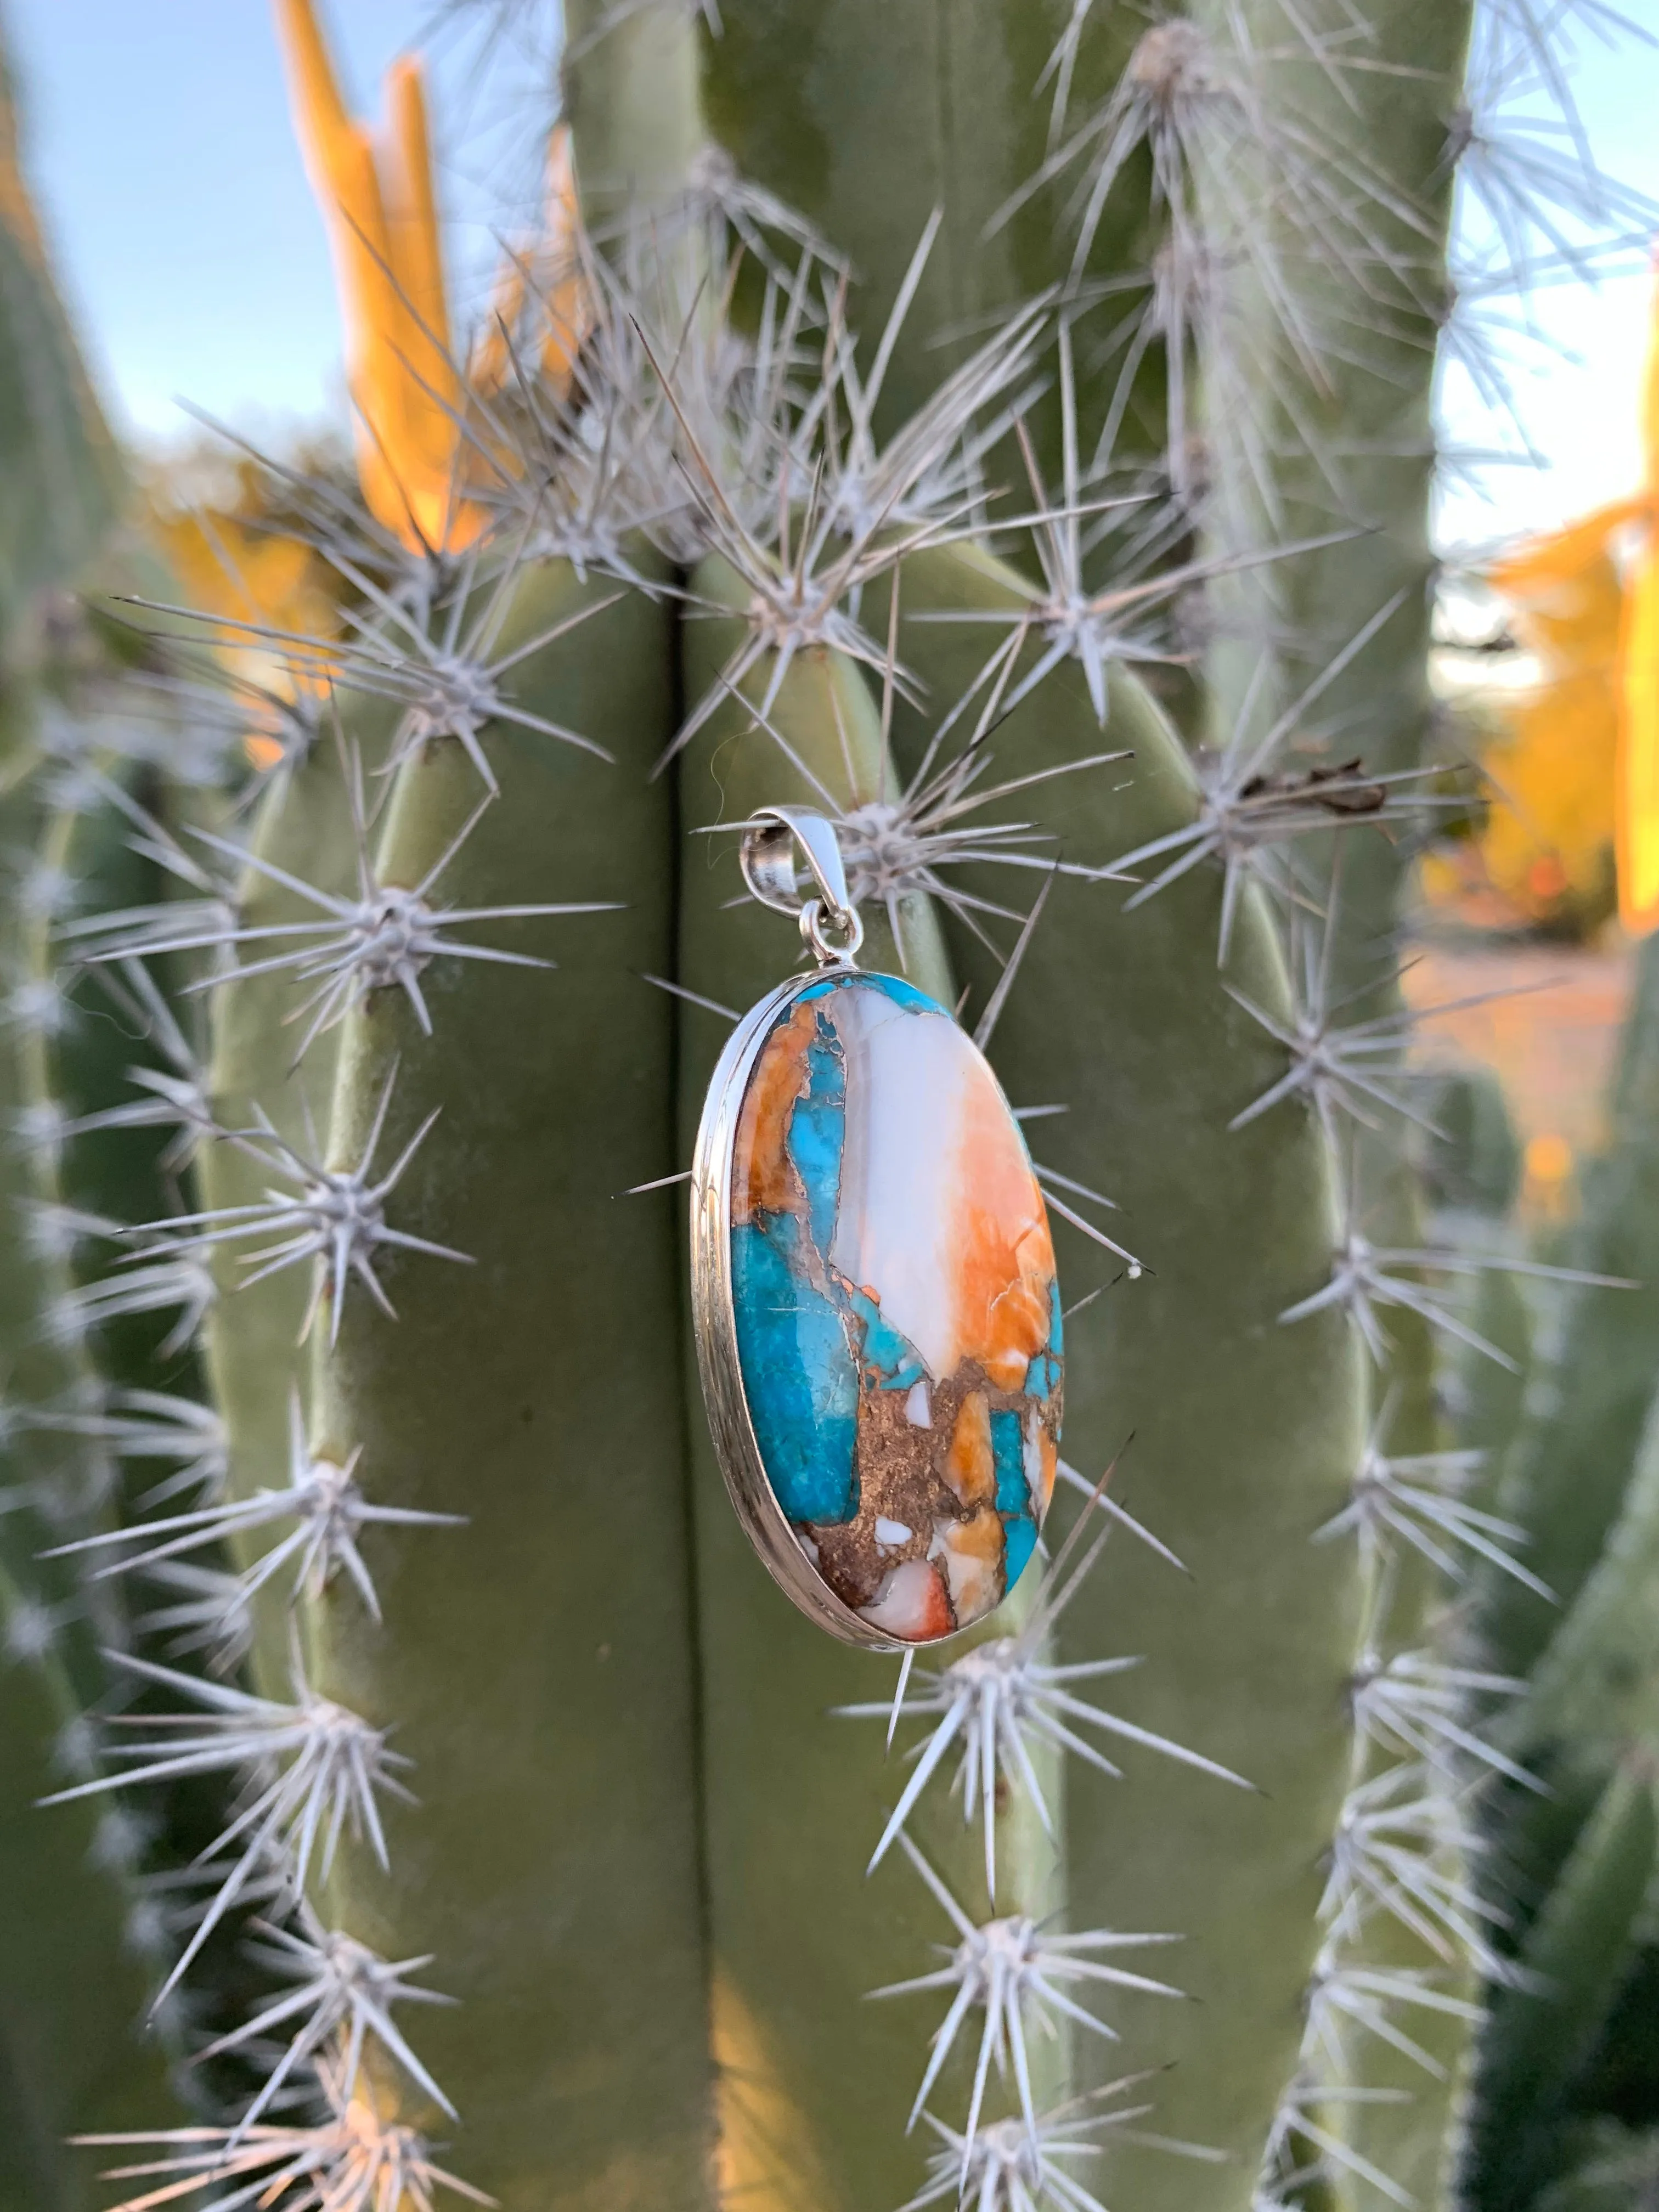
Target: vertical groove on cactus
[(302, 828), (1340, 437), (55, 1484), (797, 1801), (555, 1761), (1106, 1007)]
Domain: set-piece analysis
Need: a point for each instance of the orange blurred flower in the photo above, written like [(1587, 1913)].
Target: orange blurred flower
[(408, 388), (383, 221), (1578, 769), (230, 554)]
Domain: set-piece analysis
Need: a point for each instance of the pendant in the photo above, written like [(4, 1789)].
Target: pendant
[(873, 1294)]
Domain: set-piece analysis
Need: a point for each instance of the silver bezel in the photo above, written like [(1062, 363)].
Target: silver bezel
[(714, 1325)]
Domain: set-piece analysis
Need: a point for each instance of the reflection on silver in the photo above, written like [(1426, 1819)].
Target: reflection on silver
[(774, 841)]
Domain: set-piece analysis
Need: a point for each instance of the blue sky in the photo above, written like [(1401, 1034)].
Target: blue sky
[(162, 147)]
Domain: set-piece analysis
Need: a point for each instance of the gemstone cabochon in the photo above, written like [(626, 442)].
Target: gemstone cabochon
[(897, 1318)]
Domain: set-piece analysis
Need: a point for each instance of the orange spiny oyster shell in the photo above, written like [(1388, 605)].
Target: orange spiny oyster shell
[(896, 1311)]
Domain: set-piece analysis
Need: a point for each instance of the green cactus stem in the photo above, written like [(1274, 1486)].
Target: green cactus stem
[(1543, 2027), (1570, 1467), (73, 2058), (576, 1765), (66, 482), (534, 1664), (1471, 1166), (1123, 1020), (795, 1799)]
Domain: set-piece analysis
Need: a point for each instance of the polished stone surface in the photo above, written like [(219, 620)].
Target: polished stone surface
[(897, 1317)]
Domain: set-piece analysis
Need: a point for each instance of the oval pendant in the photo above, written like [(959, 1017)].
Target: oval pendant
[(876, 1311)]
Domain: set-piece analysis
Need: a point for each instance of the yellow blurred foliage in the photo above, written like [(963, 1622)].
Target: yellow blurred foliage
[(231, 550), (545, 283), (1574, 772), (1639, 747), (1550, 832), (1639, 727), (232, 555), (231, 558)]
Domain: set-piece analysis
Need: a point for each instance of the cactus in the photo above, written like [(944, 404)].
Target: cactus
[(1564, 2057), (954, 427), (72, 2052), (65, 480), (1562, 2096)]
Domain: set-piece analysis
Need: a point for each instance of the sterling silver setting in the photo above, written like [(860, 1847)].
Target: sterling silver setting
[(774, 844)]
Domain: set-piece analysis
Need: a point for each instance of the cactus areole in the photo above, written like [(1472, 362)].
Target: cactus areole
[(874, 1294)]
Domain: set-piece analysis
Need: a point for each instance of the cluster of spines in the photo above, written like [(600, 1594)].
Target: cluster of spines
[(307, 1770), (1402, 1852)]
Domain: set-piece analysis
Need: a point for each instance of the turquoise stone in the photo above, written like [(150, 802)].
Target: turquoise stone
[(896, 1314)]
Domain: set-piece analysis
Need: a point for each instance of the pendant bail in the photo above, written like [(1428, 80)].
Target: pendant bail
[(772, 840)]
